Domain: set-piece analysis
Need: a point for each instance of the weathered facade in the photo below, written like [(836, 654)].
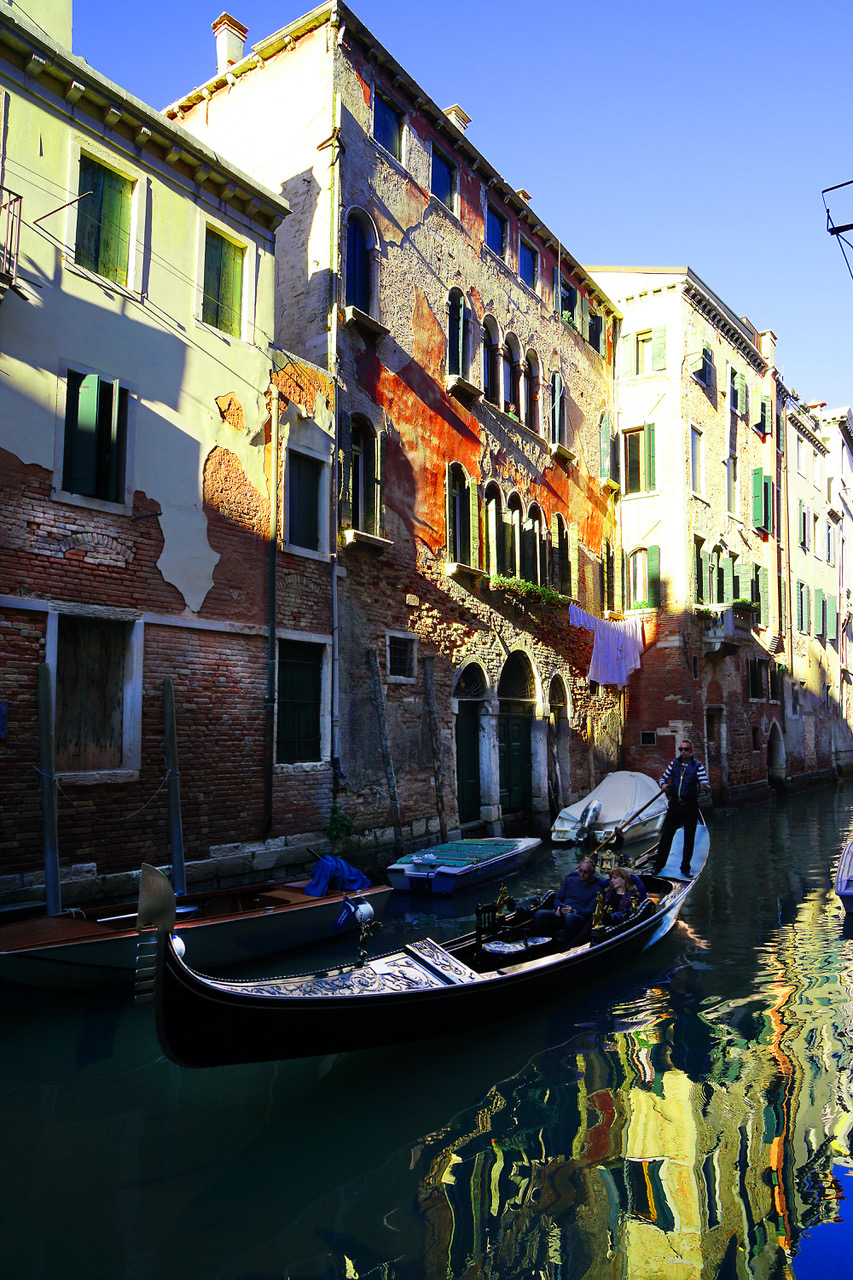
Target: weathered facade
[(135, 463), (473, 360), (729, 541)]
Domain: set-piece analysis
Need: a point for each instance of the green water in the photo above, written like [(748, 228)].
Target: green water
[(689, 1117)]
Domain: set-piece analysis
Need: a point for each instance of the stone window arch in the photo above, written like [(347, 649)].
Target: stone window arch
[(491, 369), (511, 367), (530, 391), (361, 266)]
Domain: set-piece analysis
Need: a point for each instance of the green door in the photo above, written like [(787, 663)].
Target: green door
[(468, 761), (515, 762)]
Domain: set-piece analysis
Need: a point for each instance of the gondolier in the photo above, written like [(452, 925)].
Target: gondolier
[(683, 780)]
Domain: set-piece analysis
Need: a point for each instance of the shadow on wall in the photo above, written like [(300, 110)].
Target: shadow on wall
[(306, 292)]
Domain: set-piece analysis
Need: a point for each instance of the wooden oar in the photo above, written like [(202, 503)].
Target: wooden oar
[(627, 821)]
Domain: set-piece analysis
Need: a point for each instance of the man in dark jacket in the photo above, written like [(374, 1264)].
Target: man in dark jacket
[(574, 906), (682, 781)]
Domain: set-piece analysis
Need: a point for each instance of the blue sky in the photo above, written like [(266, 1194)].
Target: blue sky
[(657, 134)]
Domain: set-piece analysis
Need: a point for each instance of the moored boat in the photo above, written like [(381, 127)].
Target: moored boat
[(460, 864), (624, 804), (97, 946), (425, 990), (844, 878)]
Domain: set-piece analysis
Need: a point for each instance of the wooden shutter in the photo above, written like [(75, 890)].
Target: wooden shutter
[(653, 576), (659, 349), (115, 458), (649, 454), (574, 560), (80, 469), (448, 511), (604, 445), (728, 568), (832, 619), (783, 604), (619, 580), (629, 355), (765, 420), (556, 408), (230, 288), (381, 463), (758, 497), (114, 238), (818, 612), (807, 609), (345, 480), (585, 316), (473, 525), (799, 606), (768, 504), (90, 189), (764, 595), (703, 587)]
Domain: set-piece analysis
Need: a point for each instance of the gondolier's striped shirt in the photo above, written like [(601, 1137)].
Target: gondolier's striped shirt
[(688, 778)]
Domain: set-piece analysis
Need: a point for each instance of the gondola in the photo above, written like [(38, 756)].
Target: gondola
[(844, 878), (424, 990)]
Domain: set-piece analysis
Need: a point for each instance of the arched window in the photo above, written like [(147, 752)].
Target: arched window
[(562, 565), (533, 547), (461, 517), (456, 364), (511, 376), (557, 424), (361, 284), (515, 520), (644, 578), (490, 360), (531, 391), (495, 553), (363, 477)]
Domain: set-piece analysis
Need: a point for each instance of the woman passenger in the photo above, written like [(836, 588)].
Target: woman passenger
[(623, 895)]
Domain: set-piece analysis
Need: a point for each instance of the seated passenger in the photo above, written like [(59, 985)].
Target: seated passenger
[(573, 907), (624, 894)]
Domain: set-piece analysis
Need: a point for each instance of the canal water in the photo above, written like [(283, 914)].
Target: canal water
[(689, 1117)]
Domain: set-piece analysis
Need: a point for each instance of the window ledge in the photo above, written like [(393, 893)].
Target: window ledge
[(562, 451), (84, 273), (355, 318), (461, 388), (302, 766), (369, 541), (95, 777), (198, 323), (290, 548), (460, 572), (93, 504)]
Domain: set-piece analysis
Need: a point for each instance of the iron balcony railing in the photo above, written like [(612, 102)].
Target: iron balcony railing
[(10, 238)]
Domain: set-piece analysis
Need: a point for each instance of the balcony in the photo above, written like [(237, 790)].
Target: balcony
[(10, 239), (725, 629)]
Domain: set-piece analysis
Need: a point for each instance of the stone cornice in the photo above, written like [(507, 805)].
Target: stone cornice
[(724, 322)]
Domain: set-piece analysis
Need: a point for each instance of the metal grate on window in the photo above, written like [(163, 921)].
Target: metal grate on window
[(300, 681), (401, 656)]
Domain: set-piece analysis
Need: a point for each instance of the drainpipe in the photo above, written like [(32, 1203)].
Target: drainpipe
[(332, 361), (269, 700)]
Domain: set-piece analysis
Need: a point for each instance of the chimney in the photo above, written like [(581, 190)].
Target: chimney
[(457, 116), (767, 345), (230, 36)]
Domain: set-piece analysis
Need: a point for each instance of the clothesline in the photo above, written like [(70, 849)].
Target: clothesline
[(616, 646)]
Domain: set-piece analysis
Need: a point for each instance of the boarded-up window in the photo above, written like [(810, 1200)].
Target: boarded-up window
[(300, 686), (90, 662)]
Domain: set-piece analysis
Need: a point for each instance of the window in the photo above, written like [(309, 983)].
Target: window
[(558, 411), (533, 548), (305, 474), (738, 394), (639, 470), (608, 449), (638, 592), (804, 526), (531, 392), (801, 455), (596, 332), (758, 678), (495, 531), (496, 232), (562, 558), (358, 284), (607, 578), (511, 361), (565, 300), (103, 221), (363, 477), (90, 728), (696, 478), (762, 501), (300, 689), (514, 522), (461, 516), (644, 352), (732, 492), (765, 416), (830, 542), (95, 445), (222, 297), (443, 185), (490, 360), (401, 656), (456, 334), (388, 126), (703, 370), (527, 263), (803, 608), (648, 738)]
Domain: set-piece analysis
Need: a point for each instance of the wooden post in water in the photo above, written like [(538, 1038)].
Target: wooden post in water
[(48, 791), (438, 770), (173, 788), (376, 682)]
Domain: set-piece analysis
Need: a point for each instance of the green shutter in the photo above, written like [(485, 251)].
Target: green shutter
[(764, 595), (114, 249), (740, 382), (557, 291), (80, 468), (758, 497), (91, 193), (473, 525), (766, 415), (807, 610), (653, 575), (768, 504), (783, 605), (832, 618), (585, 317), (649, 451), (659, 349), (116, 448), (801, 528), (629, 355), (728, 567), (604, 446), (818, 612), (703, 586), (212, 271), (448, 510)]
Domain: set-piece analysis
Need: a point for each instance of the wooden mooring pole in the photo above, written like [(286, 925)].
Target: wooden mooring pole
[(376, 682), (47, 776), (173, 788), (438, 770)]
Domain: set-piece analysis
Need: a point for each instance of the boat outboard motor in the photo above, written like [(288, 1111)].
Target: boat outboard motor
[(587, 818)]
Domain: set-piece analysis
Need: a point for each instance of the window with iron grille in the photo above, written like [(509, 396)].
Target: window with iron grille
[(648, 738), (300, 689), (402, 657)]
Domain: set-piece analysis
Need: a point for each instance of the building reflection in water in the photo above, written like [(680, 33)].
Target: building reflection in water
[(689, 1137)]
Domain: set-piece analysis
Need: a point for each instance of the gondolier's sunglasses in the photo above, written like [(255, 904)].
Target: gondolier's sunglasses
[(685, 749)]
